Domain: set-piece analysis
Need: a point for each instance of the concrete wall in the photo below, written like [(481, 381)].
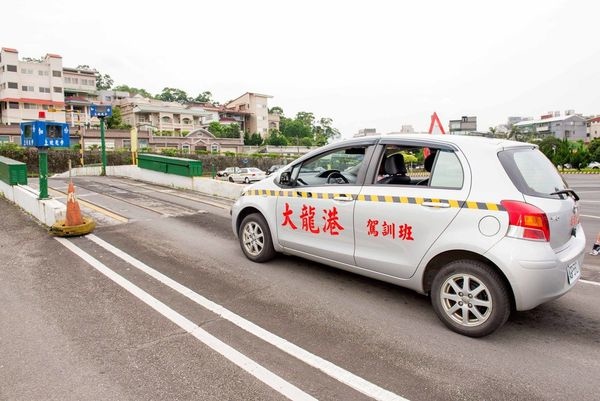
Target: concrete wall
[(207, 186), (47, 211)]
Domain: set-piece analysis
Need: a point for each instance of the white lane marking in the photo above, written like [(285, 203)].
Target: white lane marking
[(589, 215), (336, 372), (266, 376), (589, 282)]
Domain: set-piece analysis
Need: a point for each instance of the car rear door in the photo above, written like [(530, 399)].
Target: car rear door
[(395, 224)]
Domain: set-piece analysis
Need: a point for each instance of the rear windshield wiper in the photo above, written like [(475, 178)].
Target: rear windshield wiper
[(569, 192)]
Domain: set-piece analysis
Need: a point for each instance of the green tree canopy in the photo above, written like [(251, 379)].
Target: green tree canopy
[(204, 97), (253, 139), (173, 95), (133, 91)]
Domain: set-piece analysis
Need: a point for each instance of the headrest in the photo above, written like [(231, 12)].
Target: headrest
[(395, 164)]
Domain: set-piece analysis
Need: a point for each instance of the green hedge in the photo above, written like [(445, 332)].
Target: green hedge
[(58, 159)]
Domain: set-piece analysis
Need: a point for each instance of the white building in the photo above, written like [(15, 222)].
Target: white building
[(27, 87)]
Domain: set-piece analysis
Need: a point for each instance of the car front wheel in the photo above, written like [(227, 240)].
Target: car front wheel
[(255, 238), (470, 298), (230, 179)]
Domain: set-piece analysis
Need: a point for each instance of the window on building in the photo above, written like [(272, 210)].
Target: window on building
[(11, 68), (30, 106), (56, 73), (44, 89), (26, 71), (27, 88), (13, 85), (43, 73), (3, 85), (57, 89), (4, 138), (45, 107), (13, 105)]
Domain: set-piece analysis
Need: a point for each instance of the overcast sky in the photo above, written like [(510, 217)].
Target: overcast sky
[(365, 64)]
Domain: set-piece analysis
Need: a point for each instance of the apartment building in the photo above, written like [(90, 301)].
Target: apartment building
[(29, 86), (166, 118), (464, 126), (257, 119), (593, 128), (80, 93), (569, 126)]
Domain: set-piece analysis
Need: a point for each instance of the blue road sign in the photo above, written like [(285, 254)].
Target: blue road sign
[(45, 134), (100, 110)]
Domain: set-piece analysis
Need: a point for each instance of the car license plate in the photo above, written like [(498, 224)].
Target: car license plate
[(573, 272)]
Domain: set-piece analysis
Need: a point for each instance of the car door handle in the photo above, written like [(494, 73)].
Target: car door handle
[(343, 198), (436, 204)]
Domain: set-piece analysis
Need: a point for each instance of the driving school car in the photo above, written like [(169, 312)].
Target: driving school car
[(486, 227)]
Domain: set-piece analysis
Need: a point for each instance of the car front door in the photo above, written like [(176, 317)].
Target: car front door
[(396, 223), (315, 213)]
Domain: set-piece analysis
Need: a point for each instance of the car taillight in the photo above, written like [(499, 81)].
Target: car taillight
[(526, 221)]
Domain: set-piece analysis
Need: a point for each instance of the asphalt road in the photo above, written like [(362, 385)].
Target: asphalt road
[(81, 323)]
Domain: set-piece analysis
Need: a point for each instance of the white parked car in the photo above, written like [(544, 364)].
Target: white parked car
[(594, 165), (247, 175), (491, 227)]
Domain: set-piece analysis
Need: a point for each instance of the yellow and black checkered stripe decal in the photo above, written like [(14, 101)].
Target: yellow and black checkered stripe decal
[(377, 198)]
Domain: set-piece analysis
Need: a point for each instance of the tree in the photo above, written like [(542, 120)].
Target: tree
[(324, 132), (204, 97), (173, 95), (133, 91), (276, 139), (252, 139), (276, 110), (594, 150), (216, 129), (103, 82), (306, 117), (116, 120), (295, 130)]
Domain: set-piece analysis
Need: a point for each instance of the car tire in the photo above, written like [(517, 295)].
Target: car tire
[(247, 180), (255, 238), (230, 179), (470, 298)]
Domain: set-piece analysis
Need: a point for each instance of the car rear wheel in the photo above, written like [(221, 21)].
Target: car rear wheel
[(255, 238), (470, 298), (230, 179), (247, 180)]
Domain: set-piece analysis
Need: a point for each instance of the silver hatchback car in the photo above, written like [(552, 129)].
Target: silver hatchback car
[(484, 226)]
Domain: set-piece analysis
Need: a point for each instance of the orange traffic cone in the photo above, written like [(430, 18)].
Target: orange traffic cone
[(74, 217), (74, 224)]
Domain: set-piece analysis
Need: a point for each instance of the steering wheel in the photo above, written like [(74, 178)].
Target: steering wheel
[(337, 178)]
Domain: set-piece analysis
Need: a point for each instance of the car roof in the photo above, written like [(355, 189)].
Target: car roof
[(456, 141)]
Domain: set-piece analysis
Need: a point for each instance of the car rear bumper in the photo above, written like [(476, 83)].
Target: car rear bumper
[(536, 273)]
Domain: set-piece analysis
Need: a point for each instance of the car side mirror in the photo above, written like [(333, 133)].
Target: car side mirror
[(285, 178)]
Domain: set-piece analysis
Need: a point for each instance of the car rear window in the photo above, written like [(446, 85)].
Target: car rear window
[(531, 172)]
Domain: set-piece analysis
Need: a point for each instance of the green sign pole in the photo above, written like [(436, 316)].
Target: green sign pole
[(103, 145), (43, 163)]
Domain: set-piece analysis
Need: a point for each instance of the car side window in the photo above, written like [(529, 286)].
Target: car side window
[(448, 172), (339, 167)]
